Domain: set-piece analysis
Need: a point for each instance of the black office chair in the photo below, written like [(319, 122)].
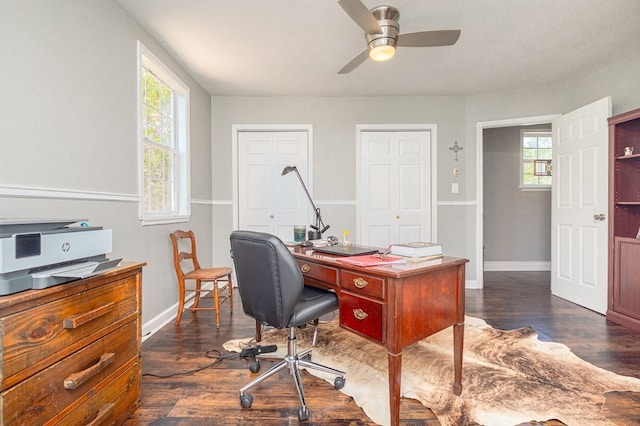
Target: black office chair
[(272, 291)]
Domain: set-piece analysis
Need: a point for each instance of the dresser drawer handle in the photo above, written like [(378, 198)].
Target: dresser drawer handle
[(103, 414), (305, 268), (76, 379), (360, 282), (360, 314), (76, 321)]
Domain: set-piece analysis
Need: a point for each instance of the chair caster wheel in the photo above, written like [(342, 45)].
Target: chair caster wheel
[(254, 367), (338, 383), (246, 400), (303, 413)]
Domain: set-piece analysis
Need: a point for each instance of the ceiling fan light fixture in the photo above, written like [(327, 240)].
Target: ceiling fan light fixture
[(382, 52)]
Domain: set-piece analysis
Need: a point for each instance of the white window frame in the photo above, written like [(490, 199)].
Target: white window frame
[(528, 186), (181, 181)]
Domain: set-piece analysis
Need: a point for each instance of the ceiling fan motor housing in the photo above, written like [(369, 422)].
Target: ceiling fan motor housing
[(387, 17)]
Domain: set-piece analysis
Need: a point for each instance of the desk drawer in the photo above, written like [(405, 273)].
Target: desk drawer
[(38, 337), (109, 403), (362, 316), (362, 284), (324, 274), (36, 399)]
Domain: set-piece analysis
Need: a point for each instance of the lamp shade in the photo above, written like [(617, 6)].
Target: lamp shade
[(382, 53)]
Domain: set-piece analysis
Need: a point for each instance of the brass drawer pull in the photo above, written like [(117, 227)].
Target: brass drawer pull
[(103, 414), (76, 321), (360, 282), (305, 268), (360, 314), (76, 379)]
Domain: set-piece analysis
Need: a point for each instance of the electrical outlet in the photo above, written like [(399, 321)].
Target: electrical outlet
[(454, 188)]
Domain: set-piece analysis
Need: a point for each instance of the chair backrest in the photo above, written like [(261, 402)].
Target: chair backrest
[(269, 279), (184, 248)]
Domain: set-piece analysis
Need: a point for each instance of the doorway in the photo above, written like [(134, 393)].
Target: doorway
[(517, 217), (480, 128)]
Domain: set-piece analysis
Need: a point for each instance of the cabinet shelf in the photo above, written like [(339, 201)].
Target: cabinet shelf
[(628, 157)]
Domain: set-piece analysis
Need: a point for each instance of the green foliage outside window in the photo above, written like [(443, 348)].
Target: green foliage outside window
[(159, 148)]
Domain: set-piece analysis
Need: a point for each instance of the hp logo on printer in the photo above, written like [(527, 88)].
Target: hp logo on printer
[(66, 247)]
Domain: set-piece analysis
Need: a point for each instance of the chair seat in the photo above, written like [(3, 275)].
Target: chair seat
[(313, 304), (207, 274)]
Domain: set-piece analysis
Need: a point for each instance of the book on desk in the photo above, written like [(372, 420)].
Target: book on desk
[(416, 249)]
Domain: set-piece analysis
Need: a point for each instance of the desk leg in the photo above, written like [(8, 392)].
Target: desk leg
[(258, 332), (458, 345), (395, 377)]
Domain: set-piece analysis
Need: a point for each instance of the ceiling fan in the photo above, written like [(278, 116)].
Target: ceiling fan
[(382, 33)]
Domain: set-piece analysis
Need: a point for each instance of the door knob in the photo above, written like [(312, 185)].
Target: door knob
[(600, 216)]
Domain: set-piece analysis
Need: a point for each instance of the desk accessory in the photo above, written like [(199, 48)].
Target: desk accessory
[(316, 230)]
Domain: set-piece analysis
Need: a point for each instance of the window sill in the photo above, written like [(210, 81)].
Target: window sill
[(150, 221), (535, 188)]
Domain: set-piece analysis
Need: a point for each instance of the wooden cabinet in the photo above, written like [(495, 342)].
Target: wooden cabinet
[(71, 353), (624, 219)]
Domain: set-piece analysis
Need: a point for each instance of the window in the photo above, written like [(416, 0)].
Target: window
[(536, 157), (164, 142)]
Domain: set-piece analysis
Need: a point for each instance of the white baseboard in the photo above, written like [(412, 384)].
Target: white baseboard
[(471, 284), (517, 265), (165, 317)]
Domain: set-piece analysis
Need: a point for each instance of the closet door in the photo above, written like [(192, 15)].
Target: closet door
[(395, 187), (267, 200)]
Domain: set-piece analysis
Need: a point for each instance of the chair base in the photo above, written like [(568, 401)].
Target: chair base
[(293, 361)]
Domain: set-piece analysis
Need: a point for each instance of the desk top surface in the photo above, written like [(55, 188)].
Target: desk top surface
[(393, 270)]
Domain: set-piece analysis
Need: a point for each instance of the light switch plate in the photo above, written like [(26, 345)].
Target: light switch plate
[(454, 188)]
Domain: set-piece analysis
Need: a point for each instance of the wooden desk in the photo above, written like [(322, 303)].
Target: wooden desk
[(395, 306)]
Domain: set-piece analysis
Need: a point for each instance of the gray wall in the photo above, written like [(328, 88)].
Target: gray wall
[(517, 223), (68, 131), (334, 120)]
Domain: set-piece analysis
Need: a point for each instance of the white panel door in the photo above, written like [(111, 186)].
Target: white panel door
[(580, 195), (267, 200), (395, 187)]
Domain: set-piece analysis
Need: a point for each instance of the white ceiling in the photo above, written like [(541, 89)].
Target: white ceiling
[(296, 47)]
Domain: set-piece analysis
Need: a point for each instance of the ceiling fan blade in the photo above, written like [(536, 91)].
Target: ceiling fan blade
[(429, 38), (361, 16), (355, 62)]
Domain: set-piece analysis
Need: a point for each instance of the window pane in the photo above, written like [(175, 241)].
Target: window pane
[(530, 142), (544, 154), (544, 142)]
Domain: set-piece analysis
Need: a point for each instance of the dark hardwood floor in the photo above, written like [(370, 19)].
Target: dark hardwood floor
[(209, 396)]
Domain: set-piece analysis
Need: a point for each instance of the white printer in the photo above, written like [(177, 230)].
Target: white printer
[(40, 253)]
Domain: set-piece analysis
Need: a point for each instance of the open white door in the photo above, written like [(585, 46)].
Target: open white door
[(579, 200)]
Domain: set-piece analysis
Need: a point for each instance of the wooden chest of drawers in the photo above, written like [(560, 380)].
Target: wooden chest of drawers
[(71, 353)]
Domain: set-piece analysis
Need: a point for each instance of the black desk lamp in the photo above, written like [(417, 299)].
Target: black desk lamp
[(316, 230)]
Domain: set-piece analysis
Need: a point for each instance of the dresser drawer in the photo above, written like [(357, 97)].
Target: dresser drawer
[(38, 337), (38, 398), (362, 316), (322, 273), (362, 284), (108, 403)]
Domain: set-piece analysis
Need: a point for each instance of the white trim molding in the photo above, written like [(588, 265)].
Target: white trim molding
[(506, 265), (64, 194)]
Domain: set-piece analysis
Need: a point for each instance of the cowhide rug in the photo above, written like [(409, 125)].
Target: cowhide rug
[(508, 377)]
